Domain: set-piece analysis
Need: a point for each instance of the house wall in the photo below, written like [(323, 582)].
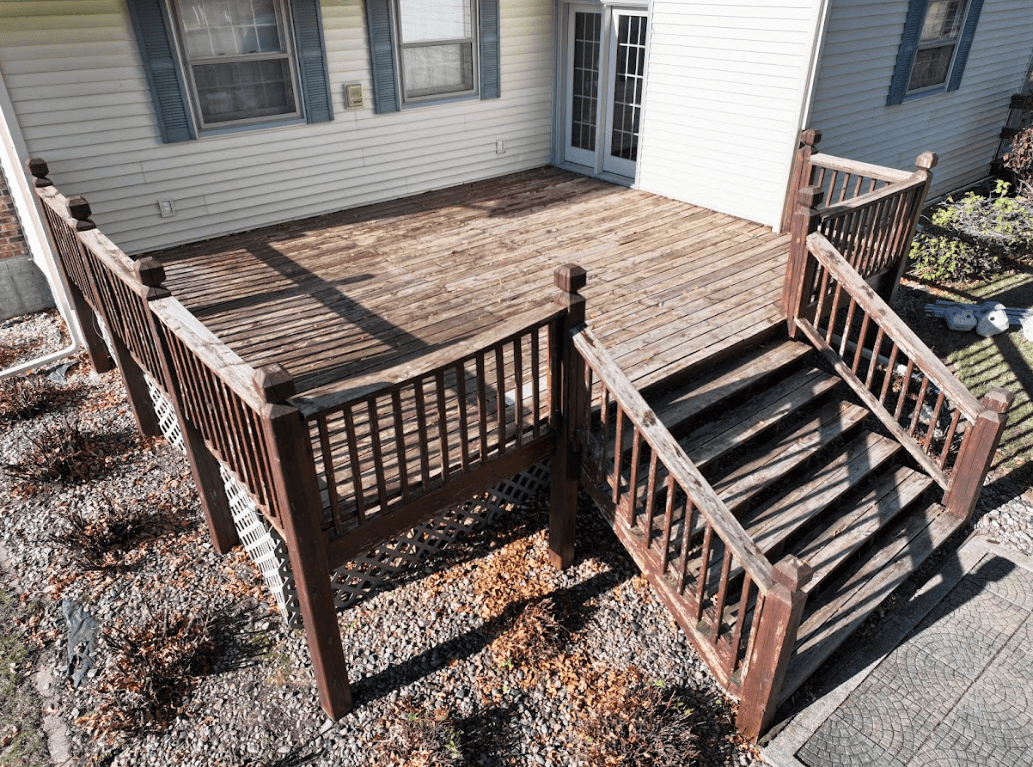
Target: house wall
[(23, 289), (727, 81), (78, 90), (962, 127)]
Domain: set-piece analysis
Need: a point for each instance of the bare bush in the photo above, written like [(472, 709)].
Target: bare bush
[(94, 542), (66, 454), (24, 397), (421, 738)]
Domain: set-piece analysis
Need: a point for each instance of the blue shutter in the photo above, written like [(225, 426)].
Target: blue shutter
[(382, 56), (489, 23), (311, 51), (964, 45), (906, 53), (162, 67)]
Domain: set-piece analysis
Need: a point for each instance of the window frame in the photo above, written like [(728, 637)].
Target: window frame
[(401, 46), (911, 44), (285, 31)]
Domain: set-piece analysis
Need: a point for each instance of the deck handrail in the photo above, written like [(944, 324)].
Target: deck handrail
[(950, 433)]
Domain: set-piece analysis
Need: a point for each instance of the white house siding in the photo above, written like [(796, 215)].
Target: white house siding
[(726, 84), (79, 92), (962, 127)]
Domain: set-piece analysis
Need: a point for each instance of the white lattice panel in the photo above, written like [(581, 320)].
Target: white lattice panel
[(167, 421)]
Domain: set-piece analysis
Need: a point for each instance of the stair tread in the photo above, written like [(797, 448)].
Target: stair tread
[(908, 544), (674, 408), (775, 521), (764, 411), (787, 453), (891, 494)]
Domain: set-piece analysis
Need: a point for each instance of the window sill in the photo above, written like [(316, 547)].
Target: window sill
[(923, 94), (250, 128), (444, 100)]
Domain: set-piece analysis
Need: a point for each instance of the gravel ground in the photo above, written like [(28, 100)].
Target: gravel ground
[(439, 669), (31, 336)]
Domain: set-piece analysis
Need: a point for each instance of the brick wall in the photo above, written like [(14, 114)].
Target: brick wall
[(23, 288)]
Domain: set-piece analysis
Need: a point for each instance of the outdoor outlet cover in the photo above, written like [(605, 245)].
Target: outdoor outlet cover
[(500, 146), (167, 208)]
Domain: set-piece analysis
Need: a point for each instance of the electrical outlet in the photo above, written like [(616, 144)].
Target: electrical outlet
[(167, 208), (500, 146)]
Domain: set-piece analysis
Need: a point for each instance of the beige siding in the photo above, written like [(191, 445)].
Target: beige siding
[(858, 57), (78, 89), (726, 83)]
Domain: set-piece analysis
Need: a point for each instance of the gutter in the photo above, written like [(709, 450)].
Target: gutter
[(13, 154)]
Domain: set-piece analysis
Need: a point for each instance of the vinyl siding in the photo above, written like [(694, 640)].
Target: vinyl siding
[(79, 92), (726, 83), (962, 127)]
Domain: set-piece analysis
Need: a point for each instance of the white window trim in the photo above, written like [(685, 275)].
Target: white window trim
[(939, 43), (475, 43)]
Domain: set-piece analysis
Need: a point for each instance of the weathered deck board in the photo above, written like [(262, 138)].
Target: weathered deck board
[(342, 295)]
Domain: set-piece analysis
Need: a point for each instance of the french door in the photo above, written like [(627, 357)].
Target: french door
[(605, 75)]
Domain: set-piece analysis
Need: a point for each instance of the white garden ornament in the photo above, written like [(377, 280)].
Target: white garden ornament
[(993, 322)]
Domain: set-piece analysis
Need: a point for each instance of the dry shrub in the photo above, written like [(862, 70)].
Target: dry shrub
[(420, 738), (66, 454), (628, 722), (94, 542), (1020, 160), (153, 671), (534, 637), (24, 397)]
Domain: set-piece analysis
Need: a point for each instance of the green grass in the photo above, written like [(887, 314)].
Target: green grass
[(20, 725), (1004, 360)]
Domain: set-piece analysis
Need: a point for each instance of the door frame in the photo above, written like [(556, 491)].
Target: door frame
[(561, 94)]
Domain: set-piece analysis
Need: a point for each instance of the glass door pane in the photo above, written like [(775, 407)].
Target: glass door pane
[(624, 107), (583, 54)]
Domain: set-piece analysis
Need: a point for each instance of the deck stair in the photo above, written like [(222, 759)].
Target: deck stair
[(805, 470)]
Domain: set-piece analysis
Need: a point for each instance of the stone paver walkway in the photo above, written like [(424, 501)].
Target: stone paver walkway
[(949, 680)]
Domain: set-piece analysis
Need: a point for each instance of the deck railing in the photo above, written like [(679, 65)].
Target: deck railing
[(868, 212), (739, 610), (338, 470), (949, 433)]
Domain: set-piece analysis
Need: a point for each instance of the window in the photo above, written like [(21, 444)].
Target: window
[(934, 48), (428, 50), (223, 63), (238, 60)]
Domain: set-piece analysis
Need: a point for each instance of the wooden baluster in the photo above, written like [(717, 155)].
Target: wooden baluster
[(482, 406), (873, 364), (356, 466), (422, 433), (204, 466), (618, 449), (668, 519), (923, 390), (95, 348), (722, 594), (300, 512), (686, 541), (536, 378), (905, 387), (604, 431), (446, 459), (949, 439), (890, 368), (771, 645), (378, 453), (704, 571), (800, 269), (500, 398), (327, 455), (977, 453), (518, 391), (464, 426), (740, 620), (935, 419), (566, 460), (403, 460), (923, 173), (651, 497)]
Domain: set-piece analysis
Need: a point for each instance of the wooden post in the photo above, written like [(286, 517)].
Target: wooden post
[(132, 375), (300, 510), (800, 268), (772, 646), (977, 453), (204, 466), (95, 348), (566, 460), (801, 173), (923, 171)]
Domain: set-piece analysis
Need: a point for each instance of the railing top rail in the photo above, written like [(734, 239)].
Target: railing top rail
[(823, 250), (870, 198), (857, 168), (678, 463), (237, 374), (340, 394)]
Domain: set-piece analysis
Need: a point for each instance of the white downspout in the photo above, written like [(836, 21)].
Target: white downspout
[(13, 154)]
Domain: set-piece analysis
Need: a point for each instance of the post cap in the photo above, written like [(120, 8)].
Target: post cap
[(274, 383), (570, 278), (810, 137), (792, 572), (79, 209), (927, 160), (998, 399), (38, 168), (149, 271), (810, 196)]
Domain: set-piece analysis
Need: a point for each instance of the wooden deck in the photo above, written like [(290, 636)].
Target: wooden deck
[(329, 298)]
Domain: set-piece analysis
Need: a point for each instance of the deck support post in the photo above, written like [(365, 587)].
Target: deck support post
[(923, 164), (300, 507), (569, 380), (977, 453), (95, 348), (204, 466), (801, 267), (773, 645), (801, 176)]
